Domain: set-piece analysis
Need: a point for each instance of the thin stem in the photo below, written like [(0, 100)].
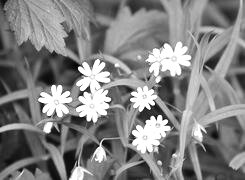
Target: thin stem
[(79, 158), (112, 138)]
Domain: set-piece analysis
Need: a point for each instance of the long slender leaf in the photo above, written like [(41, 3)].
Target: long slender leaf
[(17, 95), (195, 161), (57, 159), (222, 113), (126, 167), (20, 126)]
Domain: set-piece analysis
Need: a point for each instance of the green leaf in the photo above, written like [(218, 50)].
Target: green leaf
[(76, 14), (222, 113), (25, 175), (226, 87), (201, 105), (20, 126), (168, 113), (38, 21), (195, 160), (148, 159), (125, 167), (57, 159), (227, 57), (99, 170), (175, 19), (20, 164), (237, 161), (128, 28), (194, 82), (13, 96), (39, 175), (208, 93)]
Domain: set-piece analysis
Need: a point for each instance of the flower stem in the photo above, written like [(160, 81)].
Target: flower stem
[(112, 138)]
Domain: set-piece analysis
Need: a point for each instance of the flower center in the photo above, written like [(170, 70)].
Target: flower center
[(91, 106), (92, 76), (174, 58), (144, 96), (56, 102), (158, 125), (144, 137)]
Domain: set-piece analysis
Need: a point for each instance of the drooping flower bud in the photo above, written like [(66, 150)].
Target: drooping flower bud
[(99, 155), (47, 127), (197, 132)]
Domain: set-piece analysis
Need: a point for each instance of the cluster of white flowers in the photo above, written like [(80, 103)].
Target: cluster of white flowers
[(94, 104), (166, 58), (149, 137)]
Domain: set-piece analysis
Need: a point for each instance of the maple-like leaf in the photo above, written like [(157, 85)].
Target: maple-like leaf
[(76, 13), (39, 21), (128, 27)]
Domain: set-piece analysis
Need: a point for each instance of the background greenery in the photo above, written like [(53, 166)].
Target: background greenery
[(120, 31)]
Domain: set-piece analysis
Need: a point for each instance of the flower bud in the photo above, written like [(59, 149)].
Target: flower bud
[(99, 155), (47, 127), (197, 132)]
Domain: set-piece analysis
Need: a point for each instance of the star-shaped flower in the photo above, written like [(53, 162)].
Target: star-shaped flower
[(56, 101), (143, 98), (92, 77), (174, 58), (155, 59), (158, 125), (93, 105), (146, 139)]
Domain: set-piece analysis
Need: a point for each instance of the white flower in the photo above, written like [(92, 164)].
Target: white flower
[(158, 79), (143, 98), (158, 125), (174, 58), (48, 127), (197, 132), (99, 155), (94, 105), (78, 173), (145, 139), (155, 59), (93, 76), (56, 101)]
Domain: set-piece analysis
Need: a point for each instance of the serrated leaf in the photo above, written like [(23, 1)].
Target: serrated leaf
[(38, 21), (25, 175), (76, 14), (237, 161), (20, 164), (99, 170), (130, 27)]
